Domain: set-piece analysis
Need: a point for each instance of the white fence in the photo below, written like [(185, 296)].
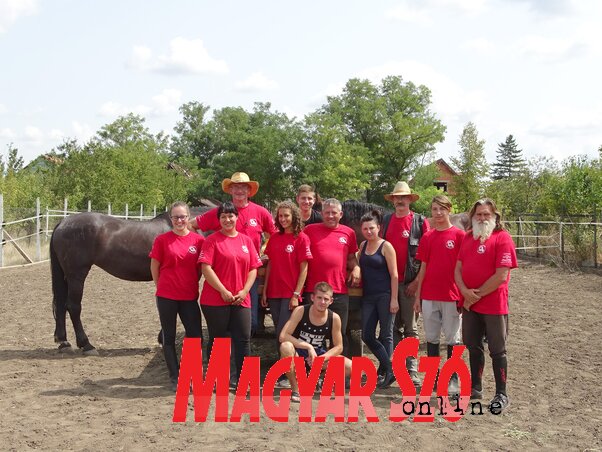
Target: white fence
[(31, 246)]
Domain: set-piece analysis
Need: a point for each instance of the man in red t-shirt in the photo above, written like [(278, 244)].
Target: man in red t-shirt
[(404, 229), (253, 221), (333, 247), (482, 273), (438, 296)]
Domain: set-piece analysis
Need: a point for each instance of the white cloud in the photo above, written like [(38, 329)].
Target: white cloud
[(11, 10), (3, 109), (422, 11), (406, 13), (7, 133), (449, 99), (33, 135), (167, 102), (83, 132), (186, 56), (57, 134), (163, 103), (481, 45), (256, 82), (550, 49)]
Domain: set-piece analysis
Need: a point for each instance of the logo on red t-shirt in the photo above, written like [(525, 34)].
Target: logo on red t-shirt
[(253, 222), (343, 240), (405, 234), (192, 249), (481, 249), (245, 249), (289, 248), (450, 244), (506, 259)]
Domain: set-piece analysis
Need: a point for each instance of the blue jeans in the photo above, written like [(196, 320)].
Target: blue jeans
[(375, 310), (254, 306)]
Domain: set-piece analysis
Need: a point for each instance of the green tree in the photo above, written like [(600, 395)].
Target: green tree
[(123, 163), (509, 161), (329, 162), (393, 121), (472, 168)]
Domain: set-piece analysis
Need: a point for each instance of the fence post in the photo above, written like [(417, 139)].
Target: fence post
[(141, 211), (38, 244), (47, 221), (154, 210), (65, 203), (520, 234), (561, 242), (127, 210), (1, 231), (109, 209), (537, 235), (89, 205), (595, 240)]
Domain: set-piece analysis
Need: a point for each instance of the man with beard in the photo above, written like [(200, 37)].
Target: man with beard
[(404, 229), (482, 273)]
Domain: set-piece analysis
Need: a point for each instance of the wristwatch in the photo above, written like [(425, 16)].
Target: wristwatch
[(297, 294)]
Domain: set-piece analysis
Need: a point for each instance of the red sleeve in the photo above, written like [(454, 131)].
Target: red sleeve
[(207, 252), (254, 258), (303, 249), (268, 223), (426, 226), (208, 221), (461, 252), (505, 253), (156, 251), (268, 247)]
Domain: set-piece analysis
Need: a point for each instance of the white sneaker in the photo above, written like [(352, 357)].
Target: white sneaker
[(283, 383)]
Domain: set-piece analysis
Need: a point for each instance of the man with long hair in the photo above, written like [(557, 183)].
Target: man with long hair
[(482, 273)]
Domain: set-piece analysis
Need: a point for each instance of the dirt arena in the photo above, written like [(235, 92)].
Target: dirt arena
[(119, 401)]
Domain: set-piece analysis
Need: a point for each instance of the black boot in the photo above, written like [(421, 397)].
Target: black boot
[(171, 360), (432, 349), (454, 388)]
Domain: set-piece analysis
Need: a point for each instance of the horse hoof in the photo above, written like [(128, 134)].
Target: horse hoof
[(65, 347), (88, 350)]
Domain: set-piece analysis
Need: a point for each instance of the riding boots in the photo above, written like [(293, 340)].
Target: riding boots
[(171, 360)]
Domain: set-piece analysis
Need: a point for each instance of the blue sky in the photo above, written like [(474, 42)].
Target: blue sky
[(524, 67)]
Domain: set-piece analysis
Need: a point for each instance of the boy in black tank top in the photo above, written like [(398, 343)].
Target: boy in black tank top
[(313, 330)]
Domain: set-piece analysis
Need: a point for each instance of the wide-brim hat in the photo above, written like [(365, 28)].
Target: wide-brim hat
[(241, 178), (402, 189)]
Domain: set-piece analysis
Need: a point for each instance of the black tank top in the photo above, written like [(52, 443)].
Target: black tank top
[(375, 273), (313, 334)]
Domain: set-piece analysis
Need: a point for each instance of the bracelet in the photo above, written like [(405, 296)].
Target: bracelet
[(297, 294)]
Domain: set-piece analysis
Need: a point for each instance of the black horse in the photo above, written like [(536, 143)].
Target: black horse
[(120, 247)]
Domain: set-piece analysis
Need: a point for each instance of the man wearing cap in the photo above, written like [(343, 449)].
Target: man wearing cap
[(482, 273), (253, 221), (404, 229)]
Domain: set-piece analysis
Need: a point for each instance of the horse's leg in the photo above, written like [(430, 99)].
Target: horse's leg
[(74, 306), (59, 302)]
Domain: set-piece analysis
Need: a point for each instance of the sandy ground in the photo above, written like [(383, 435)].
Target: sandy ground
[(119, 400)]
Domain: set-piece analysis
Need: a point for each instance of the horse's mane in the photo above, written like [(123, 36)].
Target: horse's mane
[(354, 210)]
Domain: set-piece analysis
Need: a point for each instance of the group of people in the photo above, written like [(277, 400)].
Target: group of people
[(405, 266)]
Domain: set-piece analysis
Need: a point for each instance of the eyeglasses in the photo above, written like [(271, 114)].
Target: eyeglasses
[(179, 217)]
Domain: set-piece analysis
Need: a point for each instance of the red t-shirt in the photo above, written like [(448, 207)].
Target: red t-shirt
[(232, 258), (252, 221), (286, 252), (479, 263), (398, 234), (178, 269), (330, 249), (439, 251)]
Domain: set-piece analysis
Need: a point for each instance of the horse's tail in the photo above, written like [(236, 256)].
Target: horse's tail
[(59, 284)]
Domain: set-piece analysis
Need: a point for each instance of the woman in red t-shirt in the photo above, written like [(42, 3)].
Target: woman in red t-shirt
[(229, 264), (176, 275), (286, 271)]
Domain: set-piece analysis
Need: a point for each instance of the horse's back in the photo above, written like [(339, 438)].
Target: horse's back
[(120, 247)]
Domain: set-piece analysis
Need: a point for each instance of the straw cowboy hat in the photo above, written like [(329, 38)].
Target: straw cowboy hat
[(402, 189), (240, 178)]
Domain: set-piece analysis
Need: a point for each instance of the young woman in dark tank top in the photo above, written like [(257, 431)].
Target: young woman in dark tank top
[(379, 301)]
